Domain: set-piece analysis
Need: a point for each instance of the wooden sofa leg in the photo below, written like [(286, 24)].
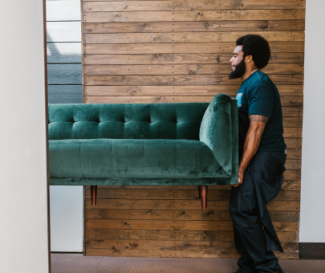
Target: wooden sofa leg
[(199, 188), (204, 196), (93, 195)]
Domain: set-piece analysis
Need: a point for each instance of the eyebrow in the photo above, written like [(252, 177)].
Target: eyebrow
[(234, 53)]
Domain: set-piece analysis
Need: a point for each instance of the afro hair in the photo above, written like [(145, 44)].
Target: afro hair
[(256, 46)]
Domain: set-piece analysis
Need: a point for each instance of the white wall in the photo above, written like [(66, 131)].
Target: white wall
[(23, 170), (312, 221)]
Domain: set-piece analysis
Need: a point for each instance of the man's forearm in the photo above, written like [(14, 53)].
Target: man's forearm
[(252, 141)]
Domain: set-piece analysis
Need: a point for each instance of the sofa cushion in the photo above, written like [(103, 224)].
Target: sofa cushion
[(135, 158), (126, 121)]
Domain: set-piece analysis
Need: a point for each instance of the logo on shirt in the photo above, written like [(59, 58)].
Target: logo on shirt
[(239, 97)]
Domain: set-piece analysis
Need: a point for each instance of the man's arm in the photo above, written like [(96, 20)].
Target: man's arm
[(252, 141)]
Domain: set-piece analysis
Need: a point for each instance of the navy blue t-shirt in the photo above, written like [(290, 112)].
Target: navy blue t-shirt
[(259, 96)]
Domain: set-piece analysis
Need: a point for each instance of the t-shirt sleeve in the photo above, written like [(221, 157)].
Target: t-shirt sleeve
[(260, 101)]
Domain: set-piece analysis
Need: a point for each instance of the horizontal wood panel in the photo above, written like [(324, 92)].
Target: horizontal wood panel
[(165, 225), (292, 132), (189, 37), (183, 69), (294, 153), (294, 101), (173, 245), (181, 204), (292, 122), (253, 25), (184, 81), (293, 165), (195, 48), (292, 112), (291, 185), (180, 215), (276, 58), (149, 194), (219, 236), (176, 225), (292, 174), (293, 143), (286, 185), (91, 6), (177, 253), (162, 253), (203, 90), (207, 90), (283, 58), (171, 16)]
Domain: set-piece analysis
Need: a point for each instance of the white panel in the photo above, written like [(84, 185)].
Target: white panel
[(64, 48), (312, 220), (64, 53), (63, 10), (63, 32), (64, 74), (65, 93), (23, 164), (66, 218)]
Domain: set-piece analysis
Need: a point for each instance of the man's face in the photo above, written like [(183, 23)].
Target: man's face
[(237, 63)]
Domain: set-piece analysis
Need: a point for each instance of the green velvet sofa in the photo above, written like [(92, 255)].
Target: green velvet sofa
[(144, 144)]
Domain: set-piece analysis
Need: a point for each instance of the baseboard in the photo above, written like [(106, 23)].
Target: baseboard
[(313, 251)]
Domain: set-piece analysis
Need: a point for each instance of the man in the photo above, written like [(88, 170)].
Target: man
[(262, 153)]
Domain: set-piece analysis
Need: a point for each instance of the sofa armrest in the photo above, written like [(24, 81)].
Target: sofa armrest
[(219, 131)]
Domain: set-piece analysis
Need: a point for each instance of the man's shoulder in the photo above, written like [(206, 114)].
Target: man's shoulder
[(260, 84), (261, 80), (257, 84)]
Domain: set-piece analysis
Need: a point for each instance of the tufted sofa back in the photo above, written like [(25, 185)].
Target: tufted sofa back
[(126, 121)]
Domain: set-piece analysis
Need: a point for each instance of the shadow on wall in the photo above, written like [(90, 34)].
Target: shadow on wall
[(64, 71)]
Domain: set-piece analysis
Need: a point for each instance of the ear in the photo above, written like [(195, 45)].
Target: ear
[(248, 58)]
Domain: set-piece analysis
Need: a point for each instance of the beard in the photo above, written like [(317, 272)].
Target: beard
[(239, 70)]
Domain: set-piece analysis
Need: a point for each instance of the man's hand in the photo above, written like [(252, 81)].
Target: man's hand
[(240, 178)]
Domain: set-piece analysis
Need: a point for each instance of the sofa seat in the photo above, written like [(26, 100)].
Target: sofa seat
[(133, 158)]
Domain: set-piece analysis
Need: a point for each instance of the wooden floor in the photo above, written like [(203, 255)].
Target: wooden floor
[(77, 263)]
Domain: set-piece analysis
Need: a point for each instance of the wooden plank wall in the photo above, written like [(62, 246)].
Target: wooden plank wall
[(179, 51)]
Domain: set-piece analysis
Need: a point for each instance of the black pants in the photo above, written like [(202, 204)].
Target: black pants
[(255, 237)]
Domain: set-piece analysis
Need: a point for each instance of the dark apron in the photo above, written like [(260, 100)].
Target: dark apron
[(254, 234), (255, 237), (266, 172)]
